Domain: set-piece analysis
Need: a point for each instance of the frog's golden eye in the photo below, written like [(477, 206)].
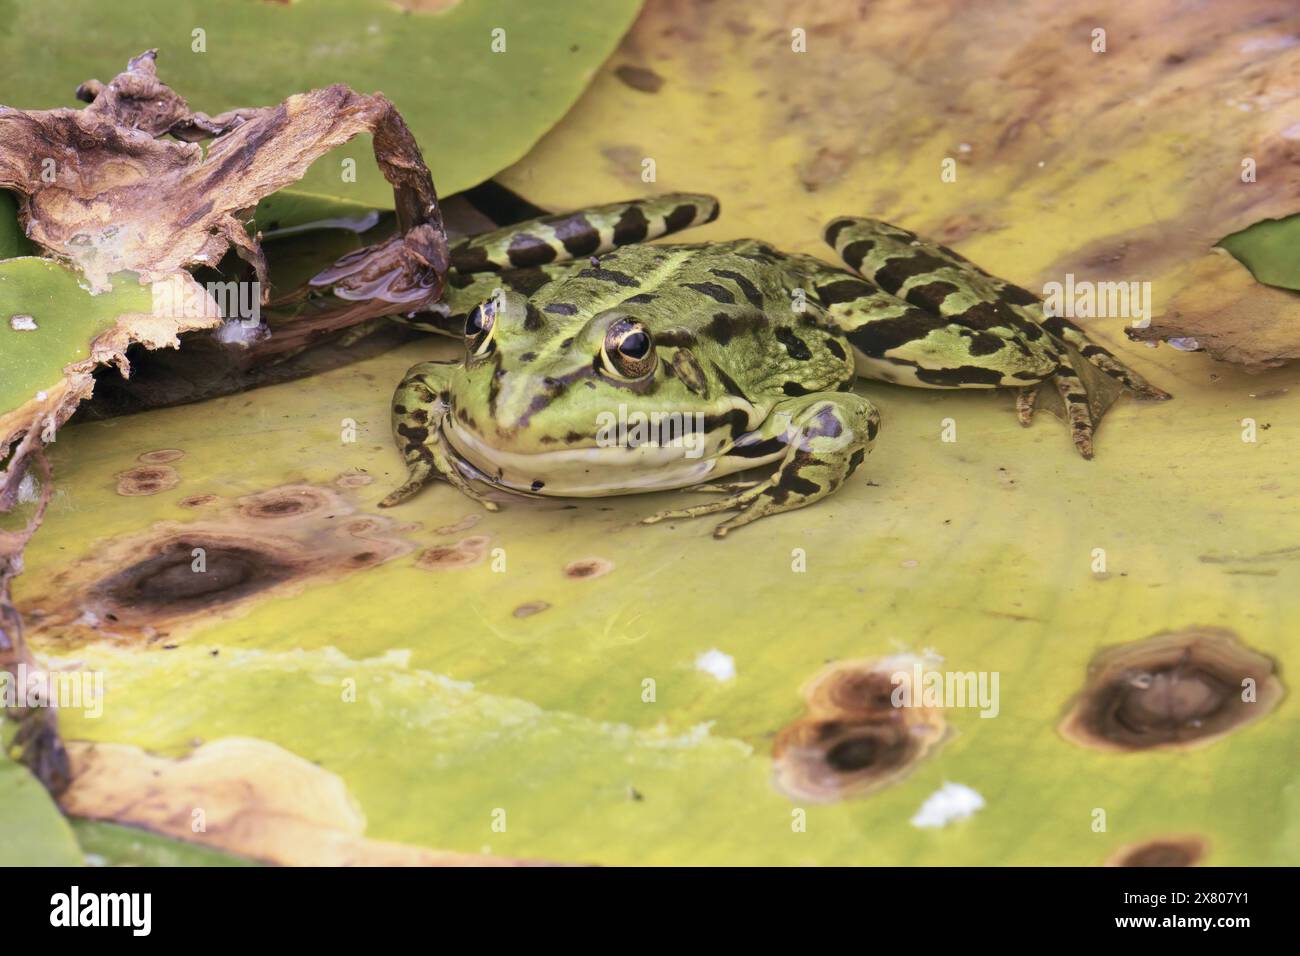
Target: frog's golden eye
[(479, 326), (629, 352)]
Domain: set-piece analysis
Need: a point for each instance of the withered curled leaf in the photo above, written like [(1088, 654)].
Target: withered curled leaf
[(119, 196)]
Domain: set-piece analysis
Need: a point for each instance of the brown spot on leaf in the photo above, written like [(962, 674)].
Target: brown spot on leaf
[(1162, 851), (353, 479), (531, 608), (464, 524), (291, 501), (198, 501), (161, 457), (853, 739), (147, 480), (640, 78), (465, 553), (175, 575), (1170, 692), (588, 568)]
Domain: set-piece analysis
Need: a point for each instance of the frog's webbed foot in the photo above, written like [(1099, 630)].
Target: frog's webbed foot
[(1078, 413), (419, 408), (827, 436), (1026, 399)]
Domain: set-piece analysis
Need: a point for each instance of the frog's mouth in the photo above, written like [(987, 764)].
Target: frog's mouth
[(588, 470)]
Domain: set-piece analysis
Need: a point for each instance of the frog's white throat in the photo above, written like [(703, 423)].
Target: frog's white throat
[(592, 469)]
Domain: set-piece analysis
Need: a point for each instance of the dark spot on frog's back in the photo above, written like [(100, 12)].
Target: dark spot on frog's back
[(984, 343), (532, 318), (930, 295), (526, 281), (609, 275), (856, 252), (957, 377), (526, 250), (714, 291), (898, 269), (467, 258), (632, 226), (723, 326), (561, 308), (844, 290), (795, 347), (687, 368), (742, 281), (729, 383), (681, 217), (833, 346), (640, 78), (578, 236), (833, 229)]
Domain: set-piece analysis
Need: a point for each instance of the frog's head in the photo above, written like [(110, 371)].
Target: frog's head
[(586, 406)]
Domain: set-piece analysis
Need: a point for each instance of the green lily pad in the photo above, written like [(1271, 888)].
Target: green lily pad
[(107, 844), (35, 833), (473, 111), (1270, 250), (12, 241), (47, 321)]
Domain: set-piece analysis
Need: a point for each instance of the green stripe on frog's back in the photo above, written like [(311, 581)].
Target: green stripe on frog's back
[(590, 232)]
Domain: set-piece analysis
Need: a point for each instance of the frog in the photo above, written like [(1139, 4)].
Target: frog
[(713, 358)]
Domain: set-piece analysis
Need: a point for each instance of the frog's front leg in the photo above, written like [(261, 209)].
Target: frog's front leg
[(826, 436), (419, 408)]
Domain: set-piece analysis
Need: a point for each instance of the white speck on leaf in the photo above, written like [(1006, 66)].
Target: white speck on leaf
[(716, 664), (22, 323), (952, 801)]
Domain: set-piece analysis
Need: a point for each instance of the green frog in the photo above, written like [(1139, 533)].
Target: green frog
[(599, 364)]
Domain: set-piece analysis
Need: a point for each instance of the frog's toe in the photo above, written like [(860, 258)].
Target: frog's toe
[(1025, 401), (418, 474), (723, 487)]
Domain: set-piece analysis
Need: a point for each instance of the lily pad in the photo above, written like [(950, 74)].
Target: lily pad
[(32, 831), (473, 111), (1116, 147), (439, 692), (1270, 250)]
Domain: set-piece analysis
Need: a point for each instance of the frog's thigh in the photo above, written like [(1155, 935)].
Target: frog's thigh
[(826, 437)]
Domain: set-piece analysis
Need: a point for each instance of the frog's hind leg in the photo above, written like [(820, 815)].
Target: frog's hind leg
[(1078, 413), (581, 234), (1066, 331), (893, 255), (419, 407), (1026, 399), (826, 436)]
